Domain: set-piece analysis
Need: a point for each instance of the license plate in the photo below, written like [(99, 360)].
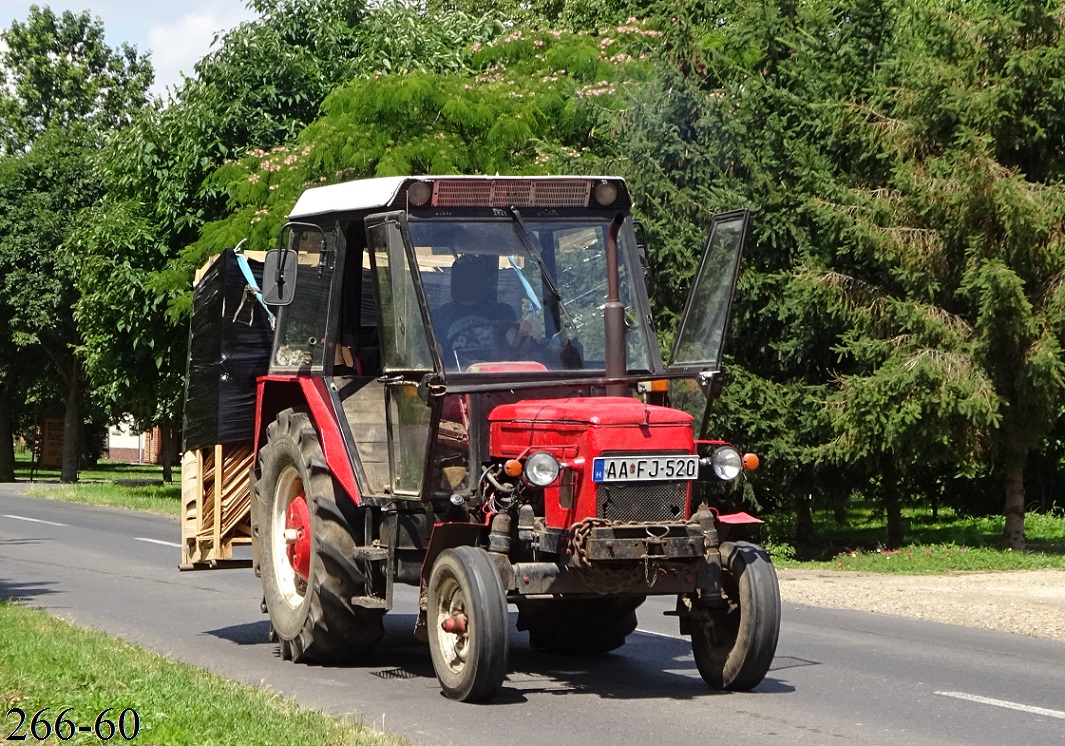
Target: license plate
[(644, 468)]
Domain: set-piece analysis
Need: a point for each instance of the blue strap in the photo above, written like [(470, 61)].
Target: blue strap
[(525, 283), (245, 269)]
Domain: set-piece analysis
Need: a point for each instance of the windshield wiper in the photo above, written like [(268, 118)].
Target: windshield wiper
[(534, 255)]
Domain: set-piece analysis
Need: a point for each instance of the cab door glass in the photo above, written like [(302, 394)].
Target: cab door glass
[(301, 326), (700, 338), (404, 350), (404, 341), (409, 424)]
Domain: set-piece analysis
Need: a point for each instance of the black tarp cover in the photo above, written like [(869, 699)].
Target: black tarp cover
[(230, 341)]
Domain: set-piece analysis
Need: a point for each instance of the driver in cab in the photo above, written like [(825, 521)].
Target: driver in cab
[(473, 326)]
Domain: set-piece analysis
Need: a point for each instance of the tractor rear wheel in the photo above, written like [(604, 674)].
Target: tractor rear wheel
[(307, 545), (581, 626), (734, 647), (468, 624)]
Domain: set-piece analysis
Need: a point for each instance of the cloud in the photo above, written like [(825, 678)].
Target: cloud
[(177, 46), (177, 33)]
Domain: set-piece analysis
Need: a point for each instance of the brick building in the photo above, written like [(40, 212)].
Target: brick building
[(129, 447)]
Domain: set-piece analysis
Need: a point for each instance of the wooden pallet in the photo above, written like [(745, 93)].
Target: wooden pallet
[(216, 497)]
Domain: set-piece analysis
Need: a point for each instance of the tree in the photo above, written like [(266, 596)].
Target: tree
[(568, 15), (261, 84), (968, 222), (38, 189), (788, 108), (741, 115), (137, 366), (533, 104), (11, 366), (63, 89), (57, 71)]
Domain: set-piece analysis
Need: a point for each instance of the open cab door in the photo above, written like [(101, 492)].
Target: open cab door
[(700, 338)]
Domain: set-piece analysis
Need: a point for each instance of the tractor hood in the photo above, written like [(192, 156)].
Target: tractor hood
[(580, 430), (603, 411)]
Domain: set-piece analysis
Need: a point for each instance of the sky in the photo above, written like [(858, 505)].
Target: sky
[(177, 33)]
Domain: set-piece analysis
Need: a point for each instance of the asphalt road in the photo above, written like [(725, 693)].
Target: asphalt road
[(839, 677)]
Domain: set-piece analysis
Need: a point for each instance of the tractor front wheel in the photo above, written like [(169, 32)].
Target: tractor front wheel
[(306, 549), (734, 647), (468, 624)]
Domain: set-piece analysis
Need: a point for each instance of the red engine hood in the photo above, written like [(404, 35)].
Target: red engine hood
[(602, 410)]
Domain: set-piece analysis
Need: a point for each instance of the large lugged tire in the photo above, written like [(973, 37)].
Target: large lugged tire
[(312, 620), (734, 649), (582, 626), (468, 624)]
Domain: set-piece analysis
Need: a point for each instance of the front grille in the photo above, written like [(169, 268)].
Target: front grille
[(645, 502), (511, 192)]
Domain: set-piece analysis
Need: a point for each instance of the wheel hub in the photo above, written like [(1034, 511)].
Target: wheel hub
[(453, 626), (298, 537)]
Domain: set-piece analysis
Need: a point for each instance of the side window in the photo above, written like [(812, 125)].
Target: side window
[(301, 326), (404, 341)]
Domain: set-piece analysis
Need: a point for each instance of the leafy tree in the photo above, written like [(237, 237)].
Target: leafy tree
[(38, 189), (11, 368), (63, 88), (57, 71), (533, 105), (146, 379), (396, 38), (259, 87), (568, 15)]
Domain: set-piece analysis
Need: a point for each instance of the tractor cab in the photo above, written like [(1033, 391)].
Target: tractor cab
[(461, 294)]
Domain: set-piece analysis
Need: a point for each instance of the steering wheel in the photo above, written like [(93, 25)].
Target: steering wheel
[(482, 340)]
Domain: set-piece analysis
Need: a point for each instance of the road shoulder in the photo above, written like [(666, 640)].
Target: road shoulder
[(1024, 602)]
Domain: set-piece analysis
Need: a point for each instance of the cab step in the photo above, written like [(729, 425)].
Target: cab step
[(369, 602), (372, 553)]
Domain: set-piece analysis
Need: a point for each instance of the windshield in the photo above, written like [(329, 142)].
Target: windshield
[(501, 304)]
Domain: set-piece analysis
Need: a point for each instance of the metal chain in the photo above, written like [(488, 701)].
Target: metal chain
[(607, 580), (580, 534)]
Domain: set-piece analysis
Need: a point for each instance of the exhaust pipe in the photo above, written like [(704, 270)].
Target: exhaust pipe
[(614, 314)]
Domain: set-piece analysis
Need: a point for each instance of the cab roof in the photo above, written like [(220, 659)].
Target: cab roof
[(456, 191)]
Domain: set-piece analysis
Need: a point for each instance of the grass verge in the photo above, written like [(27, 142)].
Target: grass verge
[(159, 499), (117, 485), (950, 543), (929, 559), (49, 663), (102, 471)]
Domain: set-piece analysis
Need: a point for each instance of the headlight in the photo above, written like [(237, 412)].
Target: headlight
[(541, 469), (727, 463)]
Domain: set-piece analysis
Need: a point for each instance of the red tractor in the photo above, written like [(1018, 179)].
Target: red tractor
[(465, 394)]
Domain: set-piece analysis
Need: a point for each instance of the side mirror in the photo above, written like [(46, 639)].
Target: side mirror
[(279, 277)]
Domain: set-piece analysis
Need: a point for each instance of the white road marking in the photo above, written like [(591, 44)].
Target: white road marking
[(157, 541), (32, 520), (659, 634), (1008, 705)]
